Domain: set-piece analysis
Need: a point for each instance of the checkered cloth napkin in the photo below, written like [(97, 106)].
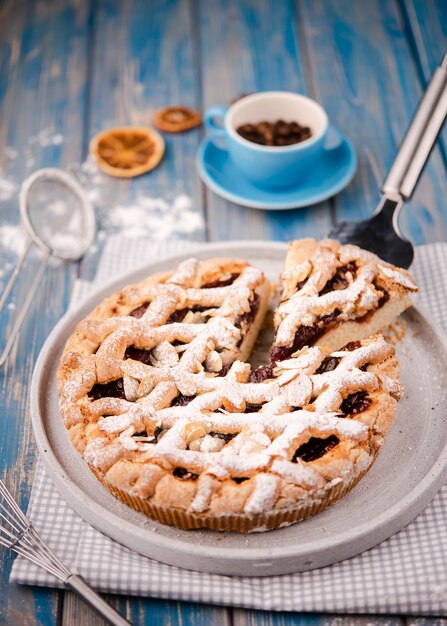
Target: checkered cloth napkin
[(405, 574)]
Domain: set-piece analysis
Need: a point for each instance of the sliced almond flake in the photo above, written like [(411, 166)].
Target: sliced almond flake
[(131, 386)]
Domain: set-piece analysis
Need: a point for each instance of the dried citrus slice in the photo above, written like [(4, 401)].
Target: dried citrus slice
[(127, 152), (176, 119)]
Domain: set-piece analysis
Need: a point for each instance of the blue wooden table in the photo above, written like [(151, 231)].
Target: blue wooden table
[(71, 68)]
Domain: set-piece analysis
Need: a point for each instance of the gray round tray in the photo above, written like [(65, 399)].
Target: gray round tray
[(410, 469)]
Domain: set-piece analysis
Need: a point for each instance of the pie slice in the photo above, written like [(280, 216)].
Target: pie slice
[(333, 294)]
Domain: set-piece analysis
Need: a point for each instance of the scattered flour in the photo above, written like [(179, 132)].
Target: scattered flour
[(12, 239), (8, 187), (47, 137), (10, 153), (12, 244), (155, 218), (172, 216)]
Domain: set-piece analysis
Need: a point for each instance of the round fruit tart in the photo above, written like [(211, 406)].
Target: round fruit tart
[(158, 399)]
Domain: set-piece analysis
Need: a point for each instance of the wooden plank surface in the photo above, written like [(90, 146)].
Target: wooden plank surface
[(72, 68), (426, 26), (149, 66), (146, 612), (43, 80), (259, 618), (367, 64), (248, 46)]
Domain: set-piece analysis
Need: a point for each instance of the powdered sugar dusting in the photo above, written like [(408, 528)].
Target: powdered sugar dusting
[(8, 188), (399, 277), (12, 239), (263, 494), (144, 215)]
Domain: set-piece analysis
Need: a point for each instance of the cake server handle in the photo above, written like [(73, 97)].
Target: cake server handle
[(77, 584), (420, 137)]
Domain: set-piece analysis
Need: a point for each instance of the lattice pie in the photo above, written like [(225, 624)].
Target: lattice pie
[(158, 399)]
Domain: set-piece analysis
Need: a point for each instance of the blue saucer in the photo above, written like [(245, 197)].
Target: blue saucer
[(333, 172)]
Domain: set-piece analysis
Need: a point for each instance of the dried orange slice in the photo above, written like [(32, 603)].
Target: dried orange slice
[(176, 119), (127, 152)]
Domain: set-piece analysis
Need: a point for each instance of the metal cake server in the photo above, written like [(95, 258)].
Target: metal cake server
[(380, 234)]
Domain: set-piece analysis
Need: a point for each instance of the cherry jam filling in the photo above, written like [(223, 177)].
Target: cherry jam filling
[(355, 403), (157, 433), (261, 373), (140, 310), (297, 287), (305, 336), (328, 365), (351, 346), (252, 408), (301, 284), (178, 316), (225, 369), (340, 278), (138, 354), (384, 297), (143, 433), (221, 283), (114, 389), (248, 317), (227, 437), (182, 400), (315, 448), (184, 474)]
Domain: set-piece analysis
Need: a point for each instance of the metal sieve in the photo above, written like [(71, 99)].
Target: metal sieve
[(59, 219)]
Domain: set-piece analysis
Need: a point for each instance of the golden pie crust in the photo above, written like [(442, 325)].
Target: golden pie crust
[(177, 119), (158, 400), (128, 151)]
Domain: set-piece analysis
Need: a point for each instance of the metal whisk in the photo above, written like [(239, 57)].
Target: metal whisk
[(18, 534)]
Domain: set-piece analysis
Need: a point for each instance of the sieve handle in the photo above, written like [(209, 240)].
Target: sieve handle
[(26, 305), (76, 583), (12, 280)]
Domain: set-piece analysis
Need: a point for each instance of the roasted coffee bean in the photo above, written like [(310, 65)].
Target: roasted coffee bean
[(279, 133)]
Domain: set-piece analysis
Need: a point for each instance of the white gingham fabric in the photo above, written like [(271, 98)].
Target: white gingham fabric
[(406, 574)]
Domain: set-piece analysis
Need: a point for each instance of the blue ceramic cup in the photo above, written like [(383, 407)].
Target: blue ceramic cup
[(270, 167)]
